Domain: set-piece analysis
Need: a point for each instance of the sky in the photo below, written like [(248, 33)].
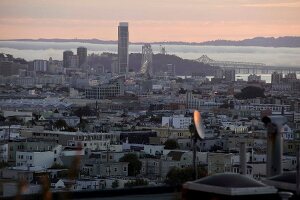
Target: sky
[(149, 20)]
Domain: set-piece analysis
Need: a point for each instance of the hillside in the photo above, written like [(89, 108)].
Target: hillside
[(286, 41), (160, 61)]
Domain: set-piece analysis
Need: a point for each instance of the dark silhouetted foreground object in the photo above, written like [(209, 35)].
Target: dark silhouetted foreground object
[(98, 194), (228, 186), (285, 181), (274, 144)]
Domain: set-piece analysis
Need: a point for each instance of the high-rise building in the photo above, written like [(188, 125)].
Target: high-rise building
[(171, 70), (254, 78), (123, 39), (276, 77), (113, 89), (67, 57), (290, 77), (146, 66), (74, 61), (40, 65), (229, 75), (82, 56), (115, 66)]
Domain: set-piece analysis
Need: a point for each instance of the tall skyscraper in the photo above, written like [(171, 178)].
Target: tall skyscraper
[(82, 55), (123, 39), (276, 77), (115, 66), (146, 66), (40, 65), (74, 60), (67, 57), (171, 70), (229, 75)]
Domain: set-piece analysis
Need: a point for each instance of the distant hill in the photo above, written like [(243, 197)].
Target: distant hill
[(183, 66), (286, 41), (92, 41), (160, 61)]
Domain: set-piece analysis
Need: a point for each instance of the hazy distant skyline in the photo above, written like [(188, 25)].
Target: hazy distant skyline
[(155, 20)]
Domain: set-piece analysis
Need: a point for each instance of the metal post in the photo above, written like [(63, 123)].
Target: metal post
[(274, 144), (243, 166), (298, 172), (194, 156), (285, 195)]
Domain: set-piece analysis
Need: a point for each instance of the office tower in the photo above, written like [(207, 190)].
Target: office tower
[(114, 88), (67, 56), (290, 77), (276, 77), (254, 78), (123, 38), (74, 61), (146, 66), (171, 70), (115, 66), (40, 65), (82, 56), (229, 75), (219, 73)]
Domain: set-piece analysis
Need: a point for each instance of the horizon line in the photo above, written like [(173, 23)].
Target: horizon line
[(151, 42)]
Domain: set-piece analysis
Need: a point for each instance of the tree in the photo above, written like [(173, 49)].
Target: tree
[(61, 124), (171, 144), (137, 182), (250, 92), (3, 164), (115, 184), (177, 176), (84, 111), (134, 165), (71, 129), (58, 166), (14, 120), (2, 119)]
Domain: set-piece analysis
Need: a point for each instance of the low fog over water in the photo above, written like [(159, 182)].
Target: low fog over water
[(268, 55)]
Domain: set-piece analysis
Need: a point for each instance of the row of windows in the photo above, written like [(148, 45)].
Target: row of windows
[(108, 170), (45, 134), (27, 157)]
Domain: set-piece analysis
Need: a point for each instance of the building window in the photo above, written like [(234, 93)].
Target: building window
[(124, 169)]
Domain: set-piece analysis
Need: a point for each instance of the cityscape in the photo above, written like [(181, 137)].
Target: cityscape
[(147, 123)]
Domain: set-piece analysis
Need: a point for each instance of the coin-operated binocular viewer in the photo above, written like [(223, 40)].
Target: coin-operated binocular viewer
[(274, 143)]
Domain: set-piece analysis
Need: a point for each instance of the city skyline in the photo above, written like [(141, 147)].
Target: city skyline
[(188, 21)]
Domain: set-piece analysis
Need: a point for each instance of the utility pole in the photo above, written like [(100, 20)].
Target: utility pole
[(298, 172), (198, 133), (194, 155)]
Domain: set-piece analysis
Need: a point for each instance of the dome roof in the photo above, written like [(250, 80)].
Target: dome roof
[(285, 181), (230, 180), (230, 184), (287, 177)]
